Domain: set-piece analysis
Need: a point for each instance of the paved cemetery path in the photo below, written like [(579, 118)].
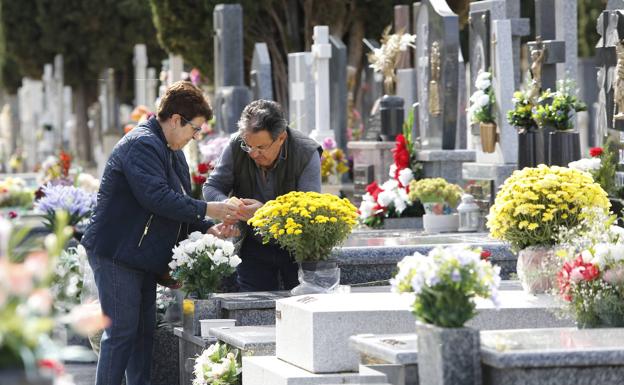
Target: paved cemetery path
[(84, 374)]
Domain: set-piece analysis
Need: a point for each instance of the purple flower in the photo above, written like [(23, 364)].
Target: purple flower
[(77, 202), (329, 144)]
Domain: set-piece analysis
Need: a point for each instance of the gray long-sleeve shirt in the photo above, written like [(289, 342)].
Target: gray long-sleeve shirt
[(221, 179)]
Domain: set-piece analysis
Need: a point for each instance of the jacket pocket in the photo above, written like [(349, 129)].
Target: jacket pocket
[(146, 229)]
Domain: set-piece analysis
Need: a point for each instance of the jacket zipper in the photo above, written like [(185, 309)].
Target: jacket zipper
[(147, 225)]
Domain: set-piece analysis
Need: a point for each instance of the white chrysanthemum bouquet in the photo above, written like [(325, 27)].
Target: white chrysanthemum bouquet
[(201, 261)]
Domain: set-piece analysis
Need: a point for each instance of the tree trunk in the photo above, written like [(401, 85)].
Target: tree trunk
[(83, 135)]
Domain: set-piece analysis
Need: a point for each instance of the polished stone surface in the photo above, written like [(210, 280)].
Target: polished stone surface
[(271, 370), (553, 347), (251, 340), (553, 356), (313, 331)]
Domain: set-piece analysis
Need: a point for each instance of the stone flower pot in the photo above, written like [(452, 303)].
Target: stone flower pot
[(448, 356), (194, 310), (445, 223), (530, 149)]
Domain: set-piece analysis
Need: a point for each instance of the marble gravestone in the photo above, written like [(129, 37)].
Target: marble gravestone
[(499, 10), (338, 90), (610, 25), (437, 47), (371, 89), (302, 101), (228, 45), (260, 78), (231, 94), (402, 24), (30, 98)]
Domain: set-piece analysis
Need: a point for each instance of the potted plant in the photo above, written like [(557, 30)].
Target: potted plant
[(530, 138), (533, 207), (591, 284), (77, 202), (199, 263), (444, 284), (481, 110), (440, 200), (308, 225), (388, 206), (555, 112), (218, 365)]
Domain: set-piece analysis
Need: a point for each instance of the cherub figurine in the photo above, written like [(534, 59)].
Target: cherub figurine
[(618, 87), (537, 59)]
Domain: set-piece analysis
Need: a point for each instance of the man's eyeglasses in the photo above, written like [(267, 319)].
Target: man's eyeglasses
[(258, 149), (196, 129)]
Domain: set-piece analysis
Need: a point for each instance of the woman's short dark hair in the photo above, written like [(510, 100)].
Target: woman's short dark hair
[(185, 99), (262, 115)]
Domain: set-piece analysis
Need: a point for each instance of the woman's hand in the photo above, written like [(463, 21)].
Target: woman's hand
[(224, 211), (222, 230)]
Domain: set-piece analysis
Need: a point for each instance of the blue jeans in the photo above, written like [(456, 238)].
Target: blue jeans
[(264, 266), (128, 298)]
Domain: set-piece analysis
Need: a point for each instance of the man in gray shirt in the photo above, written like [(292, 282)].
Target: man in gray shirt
[(264, 160)]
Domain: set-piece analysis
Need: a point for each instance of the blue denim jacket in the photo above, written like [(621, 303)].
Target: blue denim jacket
[(142, 208)]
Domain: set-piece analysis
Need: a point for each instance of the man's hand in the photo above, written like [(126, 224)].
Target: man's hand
[(222, 230), (224, 211), (248, 209)]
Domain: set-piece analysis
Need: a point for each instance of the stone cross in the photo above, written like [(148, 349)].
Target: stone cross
[(321, 51), (260, 78), (301, 103), (338, 90), (610, 26), (176, 66), (140, 75), (150, 89), (402, 24), (31, 99), (549, 51), (437, 49), (228, 45)]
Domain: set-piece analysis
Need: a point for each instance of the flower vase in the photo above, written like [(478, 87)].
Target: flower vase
[(391, 110), (194, 310), (448, 356), (564, 147), (530, 149), (317, 277), (489, 137), (537, 269)]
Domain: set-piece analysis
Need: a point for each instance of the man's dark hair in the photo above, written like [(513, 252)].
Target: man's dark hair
[(262, 115), (185, 99)]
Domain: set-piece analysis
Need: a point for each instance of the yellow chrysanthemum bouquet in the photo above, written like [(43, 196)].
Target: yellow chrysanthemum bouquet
[(535, 204), (307, 224)]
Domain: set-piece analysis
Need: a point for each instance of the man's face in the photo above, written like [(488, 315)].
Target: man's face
[(262, 148)]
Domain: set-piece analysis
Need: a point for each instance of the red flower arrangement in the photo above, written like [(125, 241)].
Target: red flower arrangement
[(593, 286), (199, 177)]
